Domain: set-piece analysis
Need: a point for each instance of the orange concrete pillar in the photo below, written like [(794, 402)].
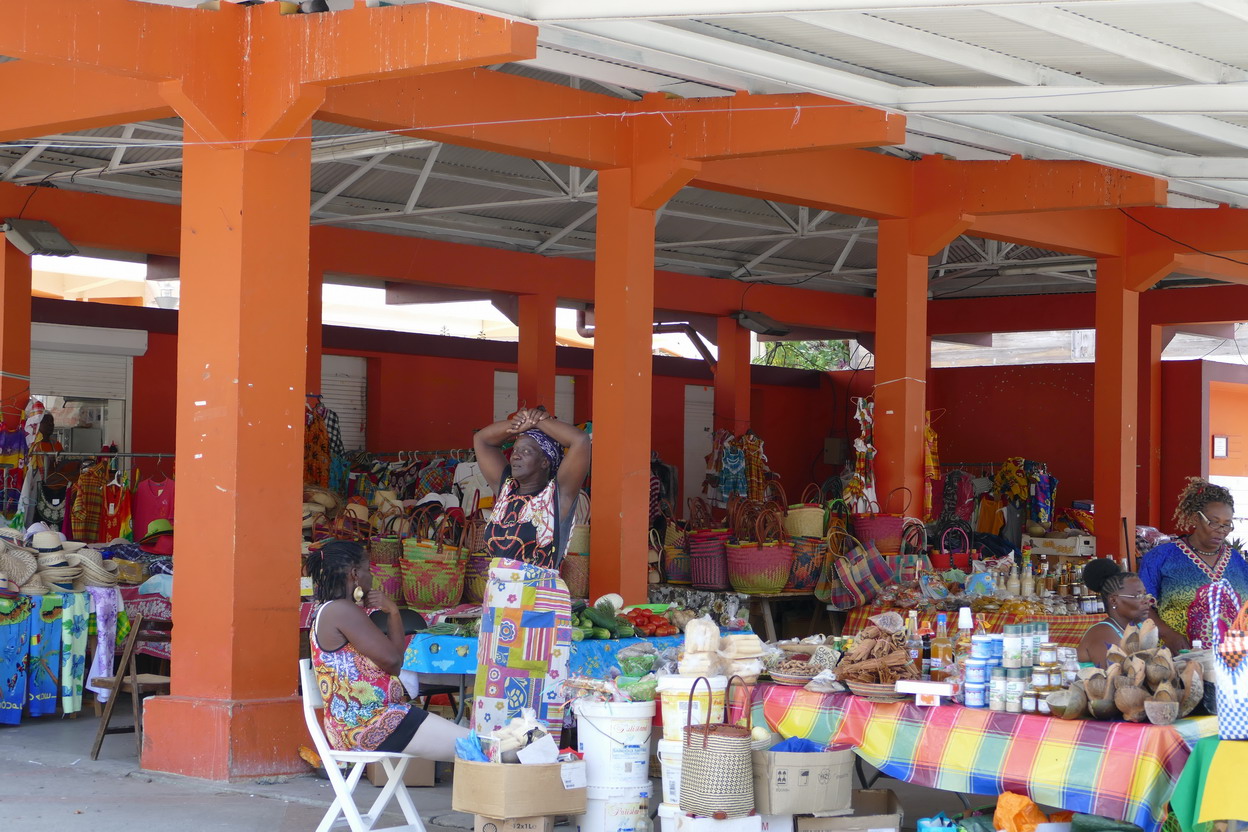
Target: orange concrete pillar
[(242, 364), (536, 353), (316, 338), (1148, 480), (624, 316), (14, 327), (901, 359), (1115, 403), (732, 378)]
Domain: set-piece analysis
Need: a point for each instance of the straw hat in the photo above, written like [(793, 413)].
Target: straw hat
[(48, 543), (34, 586), (95, 570), (17, 563), (329, 500), (14, 536)]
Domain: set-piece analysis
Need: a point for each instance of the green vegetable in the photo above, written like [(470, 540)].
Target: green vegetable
[(601, 632), (443, 629), (577, 634), (625, 631), (604, 618)]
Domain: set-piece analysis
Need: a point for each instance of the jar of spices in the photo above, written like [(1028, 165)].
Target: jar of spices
[(1042, 704), (996, 689), (1028, 704), (1012, 647), (1027, 651), (1015, 685)]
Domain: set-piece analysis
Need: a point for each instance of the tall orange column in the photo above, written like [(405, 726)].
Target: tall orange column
[(1115, 403), (732, 377), (1148, 479), (242, 364), (536, 353), (901, 351), (316, 338), (14, 325), (624, 316)]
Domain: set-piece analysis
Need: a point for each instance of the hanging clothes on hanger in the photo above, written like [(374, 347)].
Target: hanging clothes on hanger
[(732, 475), (116, 520), (87, 510), (931, 467), (315, 447), (153, 500)]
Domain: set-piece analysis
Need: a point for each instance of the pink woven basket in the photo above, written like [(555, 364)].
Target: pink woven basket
[(885, 530), (761, 566), (388, 579), (433, 584), (708, 563)]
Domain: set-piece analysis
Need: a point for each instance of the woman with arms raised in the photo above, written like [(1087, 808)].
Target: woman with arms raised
[(526, 625)]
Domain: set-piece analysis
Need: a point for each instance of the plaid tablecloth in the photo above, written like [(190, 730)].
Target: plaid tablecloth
[(1115, 769), (1066, 630)]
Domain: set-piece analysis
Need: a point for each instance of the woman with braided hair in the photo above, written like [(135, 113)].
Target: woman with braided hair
[(357, 665), (1127, 602), (1185, 575)]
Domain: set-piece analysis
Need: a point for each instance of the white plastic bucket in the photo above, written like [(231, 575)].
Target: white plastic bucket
[(674, 820), (670, 754), (668, 813), (614, 808), (673, 692), (614, 738)]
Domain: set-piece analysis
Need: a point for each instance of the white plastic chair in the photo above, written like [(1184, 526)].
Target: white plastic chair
[(343, 812)]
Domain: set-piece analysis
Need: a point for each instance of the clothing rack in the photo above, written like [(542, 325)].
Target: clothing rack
[(102, 455), (442, 452)]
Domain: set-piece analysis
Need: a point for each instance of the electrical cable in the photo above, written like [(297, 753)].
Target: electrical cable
[(1177, 241)]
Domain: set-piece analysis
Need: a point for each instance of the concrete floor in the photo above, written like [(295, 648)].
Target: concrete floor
[(46, 774)]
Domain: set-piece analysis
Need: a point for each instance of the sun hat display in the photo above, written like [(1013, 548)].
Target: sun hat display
[(156, 528), (34, 586), (17, 563), (59, 564), (50, 543), (329, 500), (95, 570)]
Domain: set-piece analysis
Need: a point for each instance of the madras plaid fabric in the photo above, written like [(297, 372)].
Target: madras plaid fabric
[(1065, 630), (1115, 769), (88, 508)]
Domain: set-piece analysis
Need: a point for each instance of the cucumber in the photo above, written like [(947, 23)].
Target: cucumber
[(577, 634), (601, 619), (601, 632), (625, 631)]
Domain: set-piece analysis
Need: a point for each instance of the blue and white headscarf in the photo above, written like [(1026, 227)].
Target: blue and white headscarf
[(550, 448)]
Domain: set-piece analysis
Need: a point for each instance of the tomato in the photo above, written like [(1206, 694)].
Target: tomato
[(666, 630)]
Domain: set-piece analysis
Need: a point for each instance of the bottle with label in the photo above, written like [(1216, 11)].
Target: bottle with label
[(1027, 584), (942, 650), (1012, 584), (966, 629), (914, 642), (927, 656)]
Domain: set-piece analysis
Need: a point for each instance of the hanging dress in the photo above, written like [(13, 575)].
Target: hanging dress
[(526, 623), (154, 501), (115, 520), (315, 448), (87, 512)]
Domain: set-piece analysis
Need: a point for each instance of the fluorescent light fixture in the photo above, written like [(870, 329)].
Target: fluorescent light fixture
[(760, 323), (37, 237)]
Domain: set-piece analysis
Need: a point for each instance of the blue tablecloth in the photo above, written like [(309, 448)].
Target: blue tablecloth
[(458, 655)]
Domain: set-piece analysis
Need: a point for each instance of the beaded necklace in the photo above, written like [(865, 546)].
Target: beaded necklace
[(1213, 573)]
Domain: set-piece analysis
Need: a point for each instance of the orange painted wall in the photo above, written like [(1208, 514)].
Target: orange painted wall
[(1228, 416), (1185, 443)]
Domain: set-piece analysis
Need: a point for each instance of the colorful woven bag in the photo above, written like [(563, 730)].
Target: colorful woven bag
[(389, 580), (761, 566), (881, 529), (476, 573), (386, 549), (863, 570), (808, 557)]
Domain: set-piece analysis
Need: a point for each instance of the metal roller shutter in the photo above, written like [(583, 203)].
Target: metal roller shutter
[(79, 375), (344, 390)]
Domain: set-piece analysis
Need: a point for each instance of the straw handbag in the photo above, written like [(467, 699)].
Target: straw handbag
[(881, 528), (575, 573), (862, 569), (806, 519), (717, 769), (761, 565), (476, 575), (809, 554)]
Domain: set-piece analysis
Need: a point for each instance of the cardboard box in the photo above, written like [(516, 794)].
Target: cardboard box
[(512, 791), (777, 823), (420, 773), (875, 810), (800, 784), (542, 824), (1083, 545)]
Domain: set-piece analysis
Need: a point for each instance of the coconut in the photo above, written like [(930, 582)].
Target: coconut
[(1161, 713), (1193, 689), (1136, 671), (1115, 655), (1069, 704), (1103, 709), (1165, 693), (1130, 700), (1149, 634), (1097, 685), (1159, 670)]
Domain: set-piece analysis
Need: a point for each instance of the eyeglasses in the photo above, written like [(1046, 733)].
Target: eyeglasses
[(1143, 596), (1226, 527)]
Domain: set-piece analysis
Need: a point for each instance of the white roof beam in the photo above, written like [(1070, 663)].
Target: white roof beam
[(616, 76), (1194, 99), (1081, 29), (568, 10), (346, 182)]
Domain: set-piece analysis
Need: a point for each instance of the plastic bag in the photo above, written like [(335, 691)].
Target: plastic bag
[(826, 682), (701, 664), (748, 669), (469, 748), (701, 636), (1016, 813)]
